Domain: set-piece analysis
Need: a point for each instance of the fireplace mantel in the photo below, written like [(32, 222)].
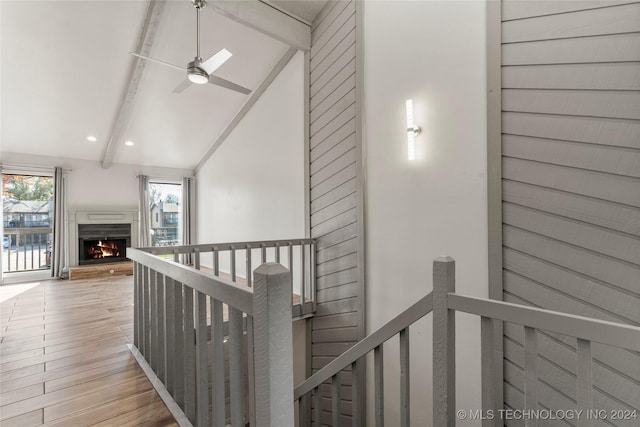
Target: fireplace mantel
[(99, 215)]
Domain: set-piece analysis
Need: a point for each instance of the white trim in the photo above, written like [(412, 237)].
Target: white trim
[(26, 276)]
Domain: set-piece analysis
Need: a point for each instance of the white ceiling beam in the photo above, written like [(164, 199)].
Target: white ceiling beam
[(246, 107), (267, 20), (123, 114)]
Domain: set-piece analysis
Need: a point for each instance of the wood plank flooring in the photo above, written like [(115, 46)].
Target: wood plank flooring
[(64, 359)]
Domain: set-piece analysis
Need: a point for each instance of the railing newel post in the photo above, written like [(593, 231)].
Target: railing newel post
[(273, 347), (444, 352)]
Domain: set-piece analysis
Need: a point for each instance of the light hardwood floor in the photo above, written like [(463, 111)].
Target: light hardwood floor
[(64, 359)]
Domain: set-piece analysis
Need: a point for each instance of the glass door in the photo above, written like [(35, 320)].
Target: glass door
[(27, 220)]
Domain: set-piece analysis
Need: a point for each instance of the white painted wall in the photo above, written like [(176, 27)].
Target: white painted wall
[(252, 188), (433, 52)]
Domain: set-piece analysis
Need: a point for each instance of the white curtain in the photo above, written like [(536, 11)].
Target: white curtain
[(188, 231), (144, 232), (59, 265)]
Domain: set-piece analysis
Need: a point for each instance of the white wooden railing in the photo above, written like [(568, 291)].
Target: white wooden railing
[(443, 302), (185, 320), (171, 300), (236, 262)]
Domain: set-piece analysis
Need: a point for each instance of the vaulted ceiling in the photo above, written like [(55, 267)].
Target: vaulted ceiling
[(67, 74)]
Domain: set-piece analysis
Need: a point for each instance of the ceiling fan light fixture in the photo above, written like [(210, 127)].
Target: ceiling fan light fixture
[(198, 78), (196, 74)]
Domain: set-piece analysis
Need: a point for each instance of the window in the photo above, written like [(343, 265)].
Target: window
[(27, 203), (166, 211)]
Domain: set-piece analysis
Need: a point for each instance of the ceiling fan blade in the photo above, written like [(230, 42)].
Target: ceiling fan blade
[(218, 81), (182, 86), (211, 64), (159, 62)]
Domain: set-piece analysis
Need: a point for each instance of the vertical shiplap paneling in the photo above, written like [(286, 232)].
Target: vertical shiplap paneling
[(571, 187), (334, 188)]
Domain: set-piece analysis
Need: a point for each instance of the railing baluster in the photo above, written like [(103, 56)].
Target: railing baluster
[(216, 262), (196, 261), (530, 374), (317, 404), (584, 381), (161, 337), (290, 256), (178, 354), (9, 252), (189, 356), (32, 236), (236, 367), (146, 315), (136, 305), (233, 264), (201, 362), (263, 253), (355, 394), (248, 266), (312, 276), (251, 371), (278, 253), (303, 410), (405, 375), (489, 402), (303, 279), (217, 364), (170, 306), (17, 252), (153, 303), (378, 380), (335, 399)]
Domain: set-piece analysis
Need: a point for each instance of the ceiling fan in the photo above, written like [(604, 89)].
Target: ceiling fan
[(199, 71)]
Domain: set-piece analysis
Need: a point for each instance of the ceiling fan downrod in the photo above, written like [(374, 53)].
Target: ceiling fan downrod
[(194, 71)]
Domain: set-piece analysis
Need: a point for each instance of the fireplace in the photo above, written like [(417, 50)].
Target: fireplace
[(103, 243)]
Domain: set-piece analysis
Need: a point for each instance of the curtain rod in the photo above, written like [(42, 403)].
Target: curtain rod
[(165, 178)]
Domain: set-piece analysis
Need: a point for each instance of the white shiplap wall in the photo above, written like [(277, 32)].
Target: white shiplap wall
[(335, 181), (571, 188)]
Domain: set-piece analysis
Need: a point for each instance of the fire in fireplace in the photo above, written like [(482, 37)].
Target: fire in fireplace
[(102, 243), (101, 250)]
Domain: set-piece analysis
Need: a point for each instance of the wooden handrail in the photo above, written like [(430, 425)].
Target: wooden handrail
[(384, 333), (224, 290), (586, 328), (210, 247)]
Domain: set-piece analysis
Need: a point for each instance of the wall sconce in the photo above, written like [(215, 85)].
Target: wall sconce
[(412, 131)]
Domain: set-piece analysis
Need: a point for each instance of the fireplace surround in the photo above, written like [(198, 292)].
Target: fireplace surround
[(86, 218)]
